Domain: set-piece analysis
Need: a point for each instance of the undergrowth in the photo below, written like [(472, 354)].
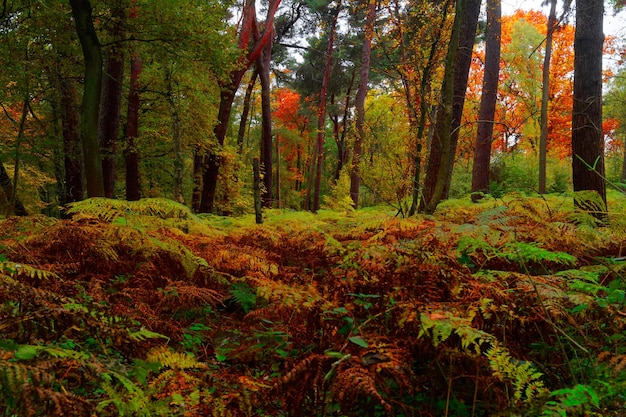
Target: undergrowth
[(513, 307)]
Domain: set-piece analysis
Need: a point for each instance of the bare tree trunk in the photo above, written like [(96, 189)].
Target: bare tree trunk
[(263, 68), (7, 187), (111, 100), (439, 158), (321, 114), (545, 97), (90, 109), (245, 111), (73, 157), (133, 189), (484, 136), (587, 137), (179, 159), (357, 150)]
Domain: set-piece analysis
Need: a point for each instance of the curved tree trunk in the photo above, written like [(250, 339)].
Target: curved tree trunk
[(90, 109), (587, 136), (486, 113)]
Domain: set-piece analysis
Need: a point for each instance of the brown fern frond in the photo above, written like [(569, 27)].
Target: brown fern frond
[(306, 365), (356, 381)]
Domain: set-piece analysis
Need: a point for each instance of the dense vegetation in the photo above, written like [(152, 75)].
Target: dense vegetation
[(507, 307)]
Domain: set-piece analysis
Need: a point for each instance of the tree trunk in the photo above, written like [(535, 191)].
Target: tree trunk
[(321, 114), (7, 187), (227, 95), (461, 75), (111, 100), (263, 68), (359, 103), (587, 136), (486, 113), (245, 111), (179, 158), (73, 157), (545, 97), (133, 189), (90, 109), (439, 158)]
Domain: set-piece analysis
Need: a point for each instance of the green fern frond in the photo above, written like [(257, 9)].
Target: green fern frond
[(526, 380), (17, 269), (173, 360), (440, 325), (144, 334), (523, 252)]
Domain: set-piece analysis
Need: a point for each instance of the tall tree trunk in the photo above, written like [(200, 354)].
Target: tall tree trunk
[(211, 159), (461, 75), (133, 189), (545, 97), (486, 113), (90, 109), (587, 136), (418, 124), (245, 111), (73, 157), (179, 158), (321, 114), (439, 157), (359, 103), (196, 195), (263, 68), (111, 100)]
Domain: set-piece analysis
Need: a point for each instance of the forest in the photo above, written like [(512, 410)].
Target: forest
[(312, 208)]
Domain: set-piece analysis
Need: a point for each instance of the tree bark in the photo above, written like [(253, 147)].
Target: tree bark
[(439, 157), (133, 189), (74, 189), (486, 113), (211, 159), (111, 100), (7, 187), (321, 114), (359, 102), (90, 109), (245, 111), (263, 68), (587, 135), (461, 74), (179, 159), (545, 97)]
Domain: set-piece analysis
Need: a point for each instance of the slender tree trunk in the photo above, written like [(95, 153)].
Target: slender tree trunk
[(486, 113), (211, 159), (587, 136), (73, 157), (545, 97), (263, 68), (90, 109), (418, 125), (357, 150), (321, 114), (245, 111), (133, 189), (111, 100), (179, 158), (196, 195), (439, 158)]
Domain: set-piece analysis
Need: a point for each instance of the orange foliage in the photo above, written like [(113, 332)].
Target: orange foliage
[(519, 96)]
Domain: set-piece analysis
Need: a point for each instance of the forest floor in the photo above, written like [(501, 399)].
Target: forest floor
[(514, 307)]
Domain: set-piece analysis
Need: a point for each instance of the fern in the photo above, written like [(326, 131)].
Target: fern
[(173, 360)]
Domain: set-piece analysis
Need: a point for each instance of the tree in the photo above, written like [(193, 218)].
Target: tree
[(545, 96), (587, 135), (359, 103), (90, 108), (484, 137), (251, 50), (440, 154)]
